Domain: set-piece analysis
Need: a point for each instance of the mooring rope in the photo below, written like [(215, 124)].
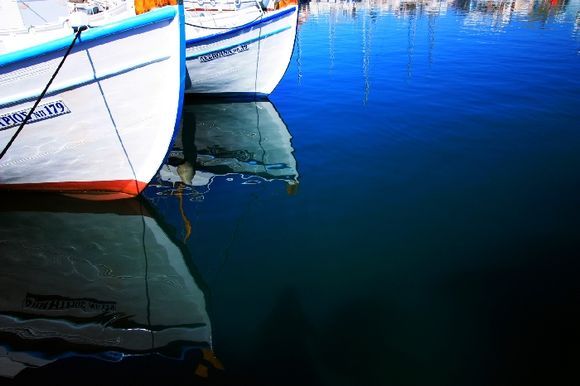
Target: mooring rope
[(257, 63), (77, 35)]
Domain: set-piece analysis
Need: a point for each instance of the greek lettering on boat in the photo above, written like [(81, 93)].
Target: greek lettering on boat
[(44, 111), (223, 53)]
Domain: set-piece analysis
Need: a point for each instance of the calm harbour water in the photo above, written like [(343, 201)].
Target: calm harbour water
[(404, 210)]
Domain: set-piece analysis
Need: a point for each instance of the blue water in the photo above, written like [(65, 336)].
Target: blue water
[(403, 211)]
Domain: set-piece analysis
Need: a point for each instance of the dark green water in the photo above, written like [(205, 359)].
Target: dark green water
[(403, 211)]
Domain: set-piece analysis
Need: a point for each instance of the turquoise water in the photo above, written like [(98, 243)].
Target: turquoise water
[(404, 210)]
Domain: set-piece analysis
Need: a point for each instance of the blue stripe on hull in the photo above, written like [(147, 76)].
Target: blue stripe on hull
[(182, 77), (91, 35), (242, 29), (249, 41)]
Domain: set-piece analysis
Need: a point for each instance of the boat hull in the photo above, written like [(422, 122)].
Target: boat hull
[(250, 59), (109, 117)]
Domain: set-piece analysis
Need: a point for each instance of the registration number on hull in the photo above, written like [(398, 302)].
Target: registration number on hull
[(222, 53), (43, 111)]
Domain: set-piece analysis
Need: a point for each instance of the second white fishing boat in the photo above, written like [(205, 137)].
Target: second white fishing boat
[(233, 51)]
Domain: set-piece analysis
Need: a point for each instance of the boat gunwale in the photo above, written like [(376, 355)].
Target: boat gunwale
[(92, 34), (243, 28), (250, 41)]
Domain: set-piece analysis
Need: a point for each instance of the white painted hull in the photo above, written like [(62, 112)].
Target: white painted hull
[(99, 278), (121, 84), (249, 59)]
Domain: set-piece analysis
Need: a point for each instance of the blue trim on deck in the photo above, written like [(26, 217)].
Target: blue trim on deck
[(241, 29), (92, 34), (87, 81), (261, 37)]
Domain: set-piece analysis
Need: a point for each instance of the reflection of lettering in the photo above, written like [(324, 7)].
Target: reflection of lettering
[(223, 53), (44, 111), (60, 303)]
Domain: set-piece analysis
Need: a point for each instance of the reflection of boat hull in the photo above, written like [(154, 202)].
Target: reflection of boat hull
[(99, 128), (249, 59), (97, 280), (247, 138)]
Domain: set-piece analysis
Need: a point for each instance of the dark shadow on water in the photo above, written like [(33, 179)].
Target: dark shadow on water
[(146, 370), (285, 347), (523, 320), (358, 343)]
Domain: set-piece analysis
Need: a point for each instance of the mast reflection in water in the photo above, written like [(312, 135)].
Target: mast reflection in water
[(99, 287)]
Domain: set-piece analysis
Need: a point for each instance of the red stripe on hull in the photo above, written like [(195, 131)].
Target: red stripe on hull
[(87, 190)]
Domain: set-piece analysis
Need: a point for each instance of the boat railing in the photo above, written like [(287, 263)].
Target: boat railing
[(28, 36), (111, 13), (217, 14), (220, 5), (34, 29)]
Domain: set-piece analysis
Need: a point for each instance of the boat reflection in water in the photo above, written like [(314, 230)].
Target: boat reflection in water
[(96, 283), (222, 138)]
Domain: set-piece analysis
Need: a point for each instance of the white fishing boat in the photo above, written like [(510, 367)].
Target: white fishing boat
[(239, 49), (102, 280), (89, 111)]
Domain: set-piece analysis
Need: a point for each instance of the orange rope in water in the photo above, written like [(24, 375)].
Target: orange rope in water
[(186, 221)]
